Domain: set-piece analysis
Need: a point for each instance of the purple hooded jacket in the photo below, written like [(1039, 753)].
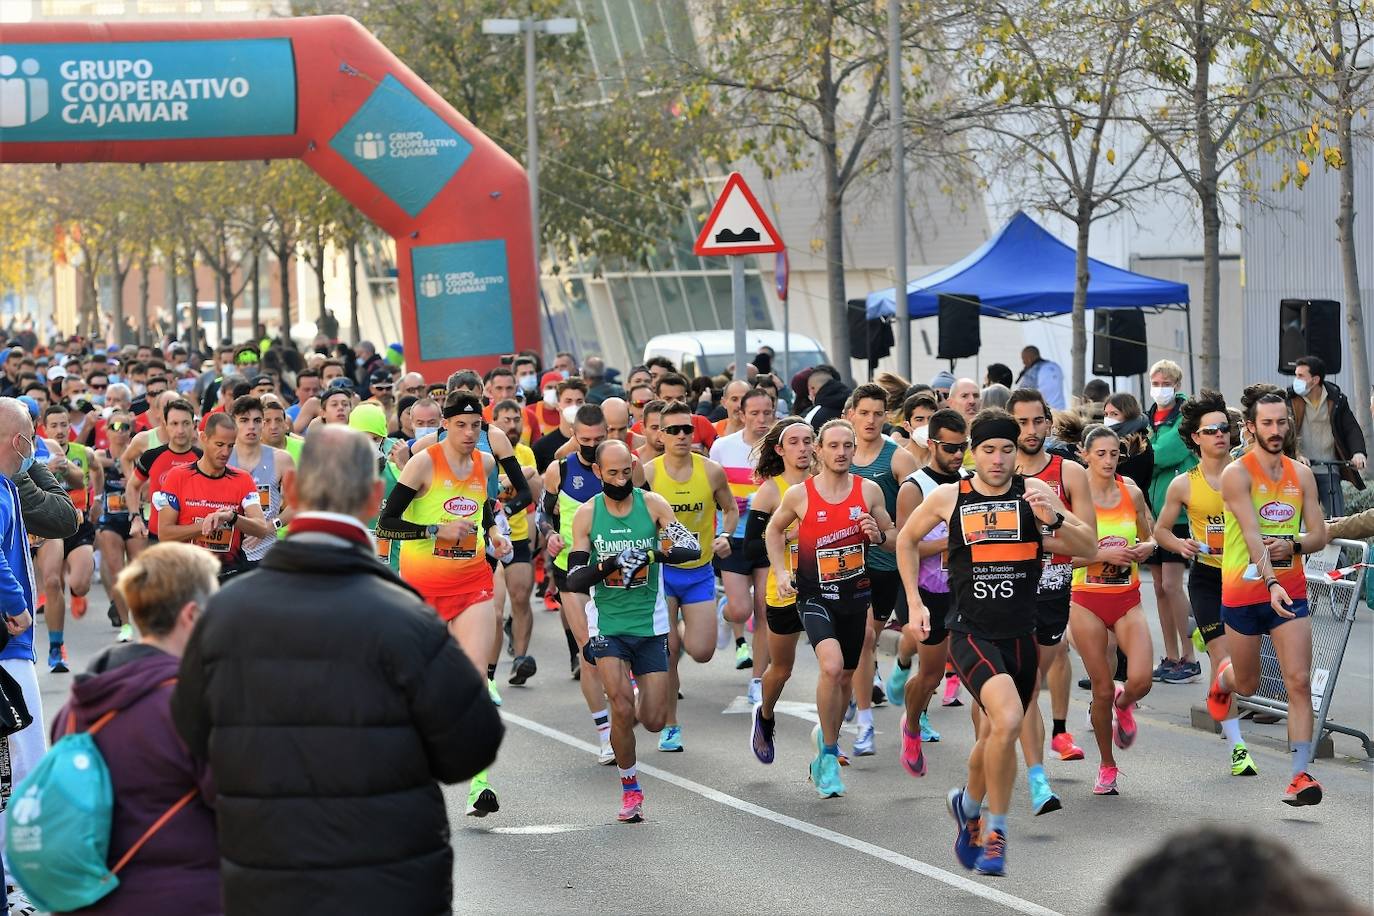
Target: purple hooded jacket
[(151, 769)]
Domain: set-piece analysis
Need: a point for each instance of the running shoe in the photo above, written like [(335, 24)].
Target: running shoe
[(1218, 697), (576, 664), (992, 860), (1199, 644), (844, 759), (522, 669), (113, 613), (1043, 799), (968, 842), (57, 659), (670, 739), (851, 711), (481, 799), (913, 758), (1165, 665), (743, 658), (1085, 683), (761, 736), (951, 697), (78, 606), (493, 693), (1303, 790), (863, 744), (19, 903), (510, 635), (1183, 672), (1062, 744), (896, 684), (1123, 723), (723, 631), (126, 633), (606, 756), (755, 692), (631, 807), (879, 694), (1106, 781), (1242, 764), (928, 734), (830, 785)]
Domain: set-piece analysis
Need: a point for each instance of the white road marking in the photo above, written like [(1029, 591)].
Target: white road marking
[(804, 711), (541, 829), (959, 882)]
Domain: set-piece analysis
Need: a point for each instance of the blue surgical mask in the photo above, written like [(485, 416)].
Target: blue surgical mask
[(25, 461), (528, 382), (98, 400), (115, 378), (422, 431), (1300, 386)]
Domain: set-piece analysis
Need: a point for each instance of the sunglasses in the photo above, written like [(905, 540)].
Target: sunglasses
[(97, 387), (685, 429), (1216, 429), (639, 404), (119, 426), (952, 448), (381, 387)]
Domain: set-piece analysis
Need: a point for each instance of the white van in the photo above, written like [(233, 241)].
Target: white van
[(710, 352)]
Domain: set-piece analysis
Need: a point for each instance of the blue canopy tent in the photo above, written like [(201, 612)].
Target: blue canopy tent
[(1024, 272)]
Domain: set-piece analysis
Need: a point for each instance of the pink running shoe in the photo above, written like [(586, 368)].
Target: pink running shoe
[(951, 697), (1123, 725), (1106, 781), (913, 758), (631, 807)]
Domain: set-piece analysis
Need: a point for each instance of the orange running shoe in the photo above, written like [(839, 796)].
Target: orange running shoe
[(1303, 790), (1219, 698), (1062, 744), (78, 606)]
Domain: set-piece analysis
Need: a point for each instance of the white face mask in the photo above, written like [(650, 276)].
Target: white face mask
[(1110, 422), (1163, 396), (1300, 385), (422, 431), (570, 413), (550, 398), (921, 436)]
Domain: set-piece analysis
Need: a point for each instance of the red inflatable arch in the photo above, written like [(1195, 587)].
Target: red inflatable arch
[(322, 90)]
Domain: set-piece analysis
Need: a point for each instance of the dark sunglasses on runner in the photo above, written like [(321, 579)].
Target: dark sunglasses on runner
[(952, 448), (1216, 429), (685, 429)]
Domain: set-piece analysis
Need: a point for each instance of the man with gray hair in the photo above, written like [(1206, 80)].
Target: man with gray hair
[(599, 387), (326, 663)]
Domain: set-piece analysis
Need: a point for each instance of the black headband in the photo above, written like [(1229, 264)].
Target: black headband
[(994, 428), (460, 406)]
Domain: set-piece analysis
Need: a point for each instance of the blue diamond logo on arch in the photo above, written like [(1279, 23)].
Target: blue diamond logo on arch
[(402, 146)]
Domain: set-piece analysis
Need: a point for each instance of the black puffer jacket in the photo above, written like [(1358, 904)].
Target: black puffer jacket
[(830, 402), (330, 703)]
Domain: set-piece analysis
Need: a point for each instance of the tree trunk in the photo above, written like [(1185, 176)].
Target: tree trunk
[(1208, 198), (117, 330), (283, 263), (255, 284), (1350, 272), (144, 335), (194, 291), (1081, 276), (834, 225), (172, 296), (353, 289)]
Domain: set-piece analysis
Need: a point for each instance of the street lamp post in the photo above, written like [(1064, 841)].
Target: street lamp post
[(530, 28)]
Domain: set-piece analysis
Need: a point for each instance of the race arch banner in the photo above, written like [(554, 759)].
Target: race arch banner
[(319, 89)]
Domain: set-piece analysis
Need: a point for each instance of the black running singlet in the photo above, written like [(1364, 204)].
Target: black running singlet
[(994, 562)]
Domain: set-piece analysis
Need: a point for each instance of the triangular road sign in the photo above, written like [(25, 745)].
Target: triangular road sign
[(737, 224)]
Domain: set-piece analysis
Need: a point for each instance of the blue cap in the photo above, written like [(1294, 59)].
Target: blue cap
[(31, 404), (943, 379)]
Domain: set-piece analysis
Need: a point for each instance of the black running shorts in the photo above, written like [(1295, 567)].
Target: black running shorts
[(978, 660)]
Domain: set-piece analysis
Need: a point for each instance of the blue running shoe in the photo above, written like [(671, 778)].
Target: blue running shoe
[(928, 734), (670, 739), (851, 712), (761, 736), (1043, 799), (992, 861), (830, 785), (863, 744), (967, 843), (896, 684), (57, 659)]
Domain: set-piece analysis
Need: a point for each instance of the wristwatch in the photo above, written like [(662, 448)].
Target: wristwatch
[(278, 524), (432, 531), (1297, 547), (1057, 523)]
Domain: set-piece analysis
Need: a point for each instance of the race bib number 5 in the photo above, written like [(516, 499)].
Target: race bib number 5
[(835, 564)]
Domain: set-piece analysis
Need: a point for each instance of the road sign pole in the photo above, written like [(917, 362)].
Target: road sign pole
[(737, 298)]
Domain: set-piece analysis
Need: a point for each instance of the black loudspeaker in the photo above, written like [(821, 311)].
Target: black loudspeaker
[(1119, 342), (1309, 327), (959, 333)]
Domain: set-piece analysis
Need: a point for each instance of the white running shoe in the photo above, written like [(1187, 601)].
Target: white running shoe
[(755, 691), (607, 755)]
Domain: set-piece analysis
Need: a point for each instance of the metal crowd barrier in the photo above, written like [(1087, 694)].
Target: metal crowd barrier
[(1333, 604)]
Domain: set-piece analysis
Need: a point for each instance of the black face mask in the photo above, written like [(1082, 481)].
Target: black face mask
[(587, 453), (617, 491)]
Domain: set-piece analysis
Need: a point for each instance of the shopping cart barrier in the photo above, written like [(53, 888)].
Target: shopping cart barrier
[(1333, 601)]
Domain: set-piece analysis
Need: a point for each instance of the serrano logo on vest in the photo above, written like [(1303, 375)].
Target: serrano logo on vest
[(1112, 540), (1277, 512), (460, 505)]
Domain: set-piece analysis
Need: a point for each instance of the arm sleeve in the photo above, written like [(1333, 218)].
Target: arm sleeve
[(47, 509), (488, 516), (516, 475), (546, 518), (583, 573), (754, 526), (390, 525)]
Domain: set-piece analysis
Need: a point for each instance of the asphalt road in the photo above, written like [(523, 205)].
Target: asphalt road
[(724, 834)]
